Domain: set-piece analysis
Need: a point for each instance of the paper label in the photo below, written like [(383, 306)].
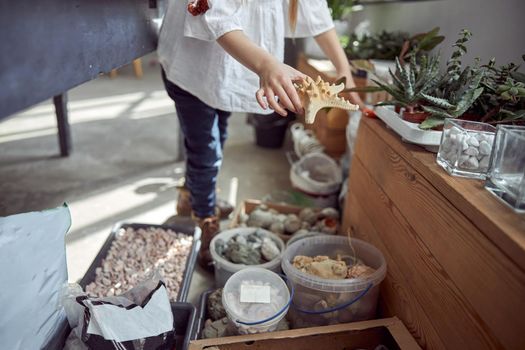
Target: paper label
[(255, 294)]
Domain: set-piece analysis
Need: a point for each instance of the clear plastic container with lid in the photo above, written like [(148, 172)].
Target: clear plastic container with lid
[(318, 301), (255, 300)]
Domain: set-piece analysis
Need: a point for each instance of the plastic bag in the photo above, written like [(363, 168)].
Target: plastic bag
[(140, 319), (34, 268)]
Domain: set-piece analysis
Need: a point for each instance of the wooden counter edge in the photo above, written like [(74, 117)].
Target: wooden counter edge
[(500, 224)]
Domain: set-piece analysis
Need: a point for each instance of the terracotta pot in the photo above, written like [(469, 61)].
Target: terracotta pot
[(397, 108), (415, 117)]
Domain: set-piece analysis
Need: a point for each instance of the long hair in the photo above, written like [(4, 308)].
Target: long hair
[(292, 14)]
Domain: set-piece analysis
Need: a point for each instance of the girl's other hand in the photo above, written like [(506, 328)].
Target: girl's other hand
[(276, 85)]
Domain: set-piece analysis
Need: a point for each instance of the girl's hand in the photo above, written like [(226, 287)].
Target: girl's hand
[(276, 80)]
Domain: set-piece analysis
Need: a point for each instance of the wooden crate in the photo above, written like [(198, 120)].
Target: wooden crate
[(367, 334), (455, 255)]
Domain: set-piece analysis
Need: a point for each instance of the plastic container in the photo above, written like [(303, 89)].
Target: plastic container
[(184, 319), (320, 302), (318, 176), (188, 229), (224, 268), (258, 316)]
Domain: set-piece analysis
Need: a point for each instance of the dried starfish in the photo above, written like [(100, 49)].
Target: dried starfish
[(319, 94)]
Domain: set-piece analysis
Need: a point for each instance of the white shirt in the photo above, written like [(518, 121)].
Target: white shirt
[(193, 60)]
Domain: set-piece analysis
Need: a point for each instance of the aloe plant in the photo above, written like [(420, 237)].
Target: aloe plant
[(411, 82)]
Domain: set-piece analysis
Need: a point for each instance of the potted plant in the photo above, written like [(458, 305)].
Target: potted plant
[(420, 43), (503, 99), (458, 88), (489, 94), (410, 82)]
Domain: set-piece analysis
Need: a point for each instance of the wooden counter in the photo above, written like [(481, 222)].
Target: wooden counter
[(455, 254)]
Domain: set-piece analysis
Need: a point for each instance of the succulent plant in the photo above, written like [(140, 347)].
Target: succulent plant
[(458, 88), (411, 82), (503, 100)]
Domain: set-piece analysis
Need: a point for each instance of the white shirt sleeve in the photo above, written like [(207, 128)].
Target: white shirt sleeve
[(222, 17), (313, 18)]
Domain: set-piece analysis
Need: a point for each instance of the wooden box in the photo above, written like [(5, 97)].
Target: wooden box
[(359, 335), (455, 255)]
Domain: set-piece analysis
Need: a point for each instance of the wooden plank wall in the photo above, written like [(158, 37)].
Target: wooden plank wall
[(449, 283)]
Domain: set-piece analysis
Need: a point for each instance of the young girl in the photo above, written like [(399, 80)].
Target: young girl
[(223, 56)]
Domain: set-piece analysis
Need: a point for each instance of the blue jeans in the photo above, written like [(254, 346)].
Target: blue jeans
[(204, 130)]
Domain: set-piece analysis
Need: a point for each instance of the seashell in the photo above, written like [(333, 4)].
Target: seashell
[(329, 213), (260, 218), (308, 215), (277, 227), (292, 224)]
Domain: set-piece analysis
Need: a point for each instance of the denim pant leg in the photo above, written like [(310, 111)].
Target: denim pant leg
[(202, 139), (223, 126)]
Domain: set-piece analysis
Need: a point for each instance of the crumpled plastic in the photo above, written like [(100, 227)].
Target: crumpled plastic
[(34, 268)]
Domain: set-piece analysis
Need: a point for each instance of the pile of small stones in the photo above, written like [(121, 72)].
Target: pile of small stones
[(471, 150), (253, 249), (308, 220), (134, 254)]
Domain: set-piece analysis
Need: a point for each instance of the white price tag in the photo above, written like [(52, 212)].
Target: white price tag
[(255, 294)]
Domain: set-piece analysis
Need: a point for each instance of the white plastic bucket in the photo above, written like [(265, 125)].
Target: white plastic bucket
[(318, 176), (320, 302), (224, 268), (259, 316)]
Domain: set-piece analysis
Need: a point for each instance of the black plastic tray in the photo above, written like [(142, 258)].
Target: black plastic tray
[(184, 319), (202, 314), (188, 229)]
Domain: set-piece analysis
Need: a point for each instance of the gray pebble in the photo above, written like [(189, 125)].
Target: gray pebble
[(465, 145)]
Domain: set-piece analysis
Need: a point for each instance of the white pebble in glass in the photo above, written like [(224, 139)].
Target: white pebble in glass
[(465, 148)]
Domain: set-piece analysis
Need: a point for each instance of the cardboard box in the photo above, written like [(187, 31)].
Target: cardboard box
[(358, 335)]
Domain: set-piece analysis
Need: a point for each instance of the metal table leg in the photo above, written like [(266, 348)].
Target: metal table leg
[(64, 133)]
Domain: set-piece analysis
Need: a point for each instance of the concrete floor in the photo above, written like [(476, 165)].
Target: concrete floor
[(123, 166)]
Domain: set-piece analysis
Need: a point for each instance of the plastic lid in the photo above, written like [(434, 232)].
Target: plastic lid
[(254, 294)]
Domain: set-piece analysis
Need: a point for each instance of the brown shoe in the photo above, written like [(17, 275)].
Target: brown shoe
[(209, 227), (223, 208)]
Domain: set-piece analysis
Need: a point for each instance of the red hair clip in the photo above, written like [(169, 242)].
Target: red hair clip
[(198, 7)]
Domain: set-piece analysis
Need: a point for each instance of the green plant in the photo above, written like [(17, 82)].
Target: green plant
[(340, 8), (410, 82), (458, 88), (503, 100), (384, 45), (419, 43)]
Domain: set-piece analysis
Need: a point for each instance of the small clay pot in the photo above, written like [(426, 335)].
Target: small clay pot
[(415, 117), (397, 108)]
